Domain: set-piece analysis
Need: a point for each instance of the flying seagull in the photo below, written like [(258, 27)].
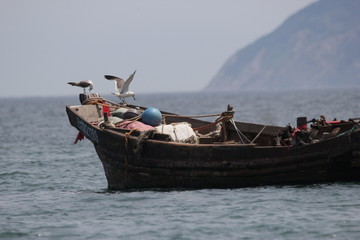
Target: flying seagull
[(122, 87), (83, 84)]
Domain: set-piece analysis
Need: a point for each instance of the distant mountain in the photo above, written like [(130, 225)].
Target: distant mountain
[(318, 47)]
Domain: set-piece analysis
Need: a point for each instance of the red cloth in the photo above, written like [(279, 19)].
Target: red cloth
[(332, 122), (79, 137), (106, 110), (134, 125), (295, 132)]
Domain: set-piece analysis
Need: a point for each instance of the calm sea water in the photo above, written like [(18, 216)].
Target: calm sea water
[(53, 189)]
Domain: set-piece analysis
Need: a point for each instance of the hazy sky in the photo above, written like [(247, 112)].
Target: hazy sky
[(174, 45)]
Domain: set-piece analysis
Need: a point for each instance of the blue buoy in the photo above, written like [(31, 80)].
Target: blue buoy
[(151, 116)]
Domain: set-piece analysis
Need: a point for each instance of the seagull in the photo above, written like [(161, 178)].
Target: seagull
[(83, 84), (122, 87)]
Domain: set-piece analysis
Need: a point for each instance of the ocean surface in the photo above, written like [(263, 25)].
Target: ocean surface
[(53, 189)]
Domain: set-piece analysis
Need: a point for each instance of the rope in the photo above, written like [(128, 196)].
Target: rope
[(349, 131), (211, 124), (258, 134), (240, 134), (205, 126), (129, 133), (101, 101), (97, 100), (189, 116), (105, 105), (115, 104), (141, 140), (126, 150)]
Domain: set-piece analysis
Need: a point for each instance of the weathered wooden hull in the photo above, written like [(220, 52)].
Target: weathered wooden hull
[(130, 164)]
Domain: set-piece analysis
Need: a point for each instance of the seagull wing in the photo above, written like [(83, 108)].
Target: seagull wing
[(73, 83), (127, 83), (84, 84), (119, 82)]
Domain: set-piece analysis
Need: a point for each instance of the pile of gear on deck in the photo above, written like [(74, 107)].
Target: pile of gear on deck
[(149, 119), (320, 129)]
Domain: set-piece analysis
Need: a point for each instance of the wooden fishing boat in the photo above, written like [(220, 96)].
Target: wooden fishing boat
[(225, 154)]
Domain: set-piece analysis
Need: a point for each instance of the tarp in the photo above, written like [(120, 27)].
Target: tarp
[(179, 132)]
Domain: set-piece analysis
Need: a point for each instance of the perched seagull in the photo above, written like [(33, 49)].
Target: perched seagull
[(83, 84), (122, 87)]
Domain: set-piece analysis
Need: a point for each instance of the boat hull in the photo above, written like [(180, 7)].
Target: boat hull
[(122, 173)]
